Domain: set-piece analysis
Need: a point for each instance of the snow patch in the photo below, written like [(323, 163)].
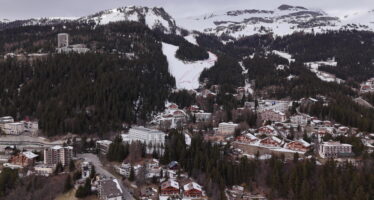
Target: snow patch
[(191, 39), (284, 55), (186, 73), (324, 76)]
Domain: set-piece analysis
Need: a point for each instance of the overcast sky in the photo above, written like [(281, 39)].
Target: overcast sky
[(21, 9)]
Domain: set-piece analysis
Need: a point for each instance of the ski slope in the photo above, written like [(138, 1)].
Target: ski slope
[(186, 74)]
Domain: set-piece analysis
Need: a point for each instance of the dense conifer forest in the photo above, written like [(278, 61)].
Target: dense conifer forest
[(89, 93)]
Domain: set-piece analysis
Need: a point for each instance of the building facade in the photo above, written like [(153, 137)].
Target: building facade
[(103, 146), (58, 154), (15, 128), (334, 149), (23, 159), (227, 128), (273, 115), (145, 135), (62, 40)]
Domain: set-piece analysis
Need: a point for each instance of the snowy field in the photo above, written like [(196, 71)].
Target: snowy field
[(284, 55), (186, 73), (324, 76)]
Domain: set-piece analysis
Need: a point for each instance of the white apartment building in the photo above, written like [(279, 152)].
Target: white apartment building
[(6, 119), (62, 40), (145, 135), (301, 120), (227, 128), (58, 154), (333, 149), (44, 170), (15, 128), (31, 126)]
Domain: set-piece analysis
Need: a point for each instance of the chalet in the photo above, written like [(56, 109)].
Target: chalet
[(23, 159), (298, 145), (247, 138), (172, 106), (193, 108), (169, 188), (271, 141), (267, 130), (192, 190), (342, 130)]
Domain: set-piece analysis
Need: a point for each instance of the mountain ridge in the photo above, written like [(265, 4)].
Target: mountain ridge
[(283, 20)]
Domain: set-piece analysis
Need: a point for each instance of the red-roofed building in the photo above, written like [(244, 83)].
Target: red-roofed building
[(192, 190), (169, 188), (23, 159), (271, 141), (299, 145)]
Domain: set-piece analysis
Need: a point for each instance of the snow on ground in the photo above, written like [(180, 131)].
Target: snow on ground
[(261, 157), (284, 55), (191, 39), (245, 71), (324, 76), (248, 87), (290, 77), (186, 73), (187, 138)]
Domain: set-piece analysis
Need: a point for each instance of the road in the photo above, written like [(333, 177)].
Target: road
[(102, 171)]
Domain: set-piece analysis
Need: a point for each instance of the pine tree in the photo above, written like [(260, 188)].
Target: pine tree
[(71, 166), (132, 174), (93, 172), (68, 185)]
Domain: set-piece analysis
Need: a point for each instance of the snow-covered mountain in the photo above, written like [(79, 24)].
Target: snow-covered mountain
[(283, 20), (154, 18)]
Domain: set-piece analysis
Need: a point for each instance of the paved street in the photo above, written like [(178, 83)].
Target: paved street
[(101, 170)]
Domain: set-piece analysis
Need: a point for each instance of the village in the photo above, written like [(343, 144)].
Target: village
[(280, 129), (256, 128)]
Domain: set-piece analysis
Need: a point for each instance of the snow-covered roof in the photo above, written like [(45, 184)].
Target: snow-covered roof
[(170, 183), (191, 186), (107, 142), (29, 154), (57, 147), (250, 136), (335, 143), (305, 143)]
